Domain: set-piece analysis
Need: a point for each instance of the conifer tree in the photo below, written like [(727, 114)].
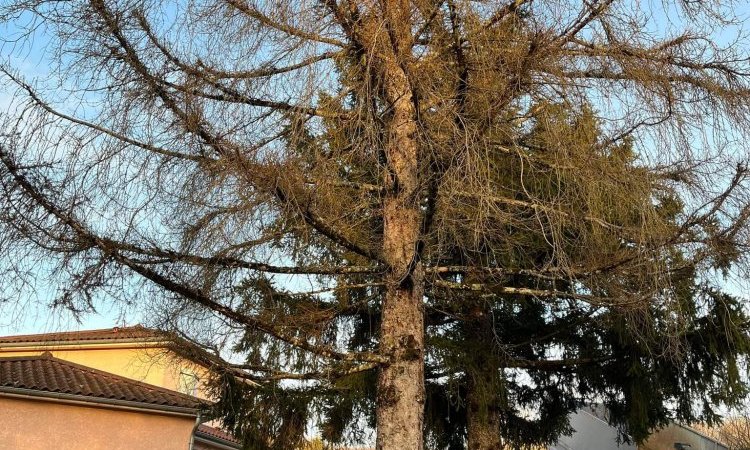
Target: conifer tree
[(521, 350)]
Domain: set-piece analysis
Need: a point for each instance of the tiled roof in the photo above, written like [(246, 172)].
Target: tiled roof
[(215, 433), (136, 332), (46, 375)]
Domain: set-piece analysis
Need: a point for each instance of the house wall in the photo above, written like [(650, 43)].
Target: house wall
[(45, 425), (152, 365), (591, 433), (665, 439)]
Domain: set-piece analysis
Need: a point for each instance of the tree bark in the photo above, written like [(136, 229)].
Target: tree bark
[(401, 382), (401, 392), (482, 419), (482, 384)]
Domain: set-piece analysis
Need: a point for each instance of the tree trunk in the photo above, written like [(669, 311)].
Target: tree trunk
[(482, 385), (482, 419), (401, 383), (401, 393)]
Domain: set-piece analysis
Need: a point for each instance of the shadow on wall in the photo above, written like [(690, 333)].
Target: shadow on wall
[(681, 438), (593, 432)]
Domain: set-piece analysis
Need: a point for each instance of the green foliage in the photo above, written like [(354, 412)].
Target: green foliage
[(350, 410), (268, 418), (647, 363)]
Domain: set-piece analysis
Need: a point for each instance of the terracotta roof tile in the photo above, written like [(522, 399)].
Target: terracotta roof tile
[(107, 334), (48, 374), (216, 434)]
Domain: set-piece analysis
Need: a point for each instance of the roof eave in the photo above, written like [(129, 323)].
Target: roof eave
[(97, 402), (216, 442), (83, 343)]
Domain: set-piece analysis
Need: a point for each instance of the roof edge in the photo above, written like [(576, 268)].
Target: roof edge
[(108, 403), (145, 342), (701, 434), (216, 441), (137, 331)]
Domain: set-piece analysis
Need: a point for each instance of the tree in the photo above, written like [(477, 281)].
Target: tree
[(388, 152), (522, 351), (572, 355)]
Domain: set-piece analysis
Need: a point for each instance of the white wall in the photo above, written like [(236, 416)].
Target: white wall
[(591, 433)]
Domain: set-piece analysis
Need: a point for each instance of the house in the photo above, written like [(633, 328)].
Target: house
[(47, 402), (592, 431), (134, 352), (118, 388)]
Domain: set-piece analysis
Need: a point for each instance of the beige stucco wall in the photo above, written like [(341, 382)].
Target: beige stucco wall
[(152, 365), (45, 425), (665, 439)]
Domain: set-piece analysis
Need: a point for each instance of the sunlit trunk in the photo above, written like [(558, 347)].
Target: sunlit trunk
[(401, 393)]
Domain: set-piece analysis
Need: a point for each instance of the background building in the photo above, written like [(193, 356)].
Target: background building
[(593, 432), (118, 388)]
